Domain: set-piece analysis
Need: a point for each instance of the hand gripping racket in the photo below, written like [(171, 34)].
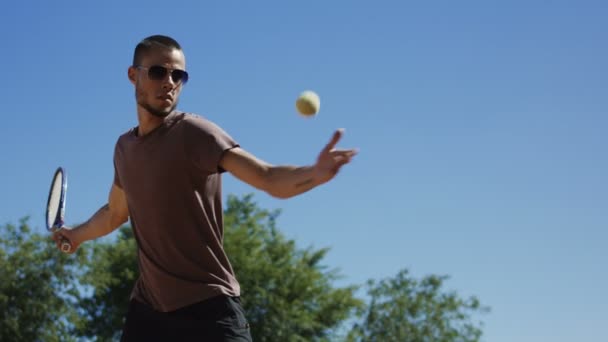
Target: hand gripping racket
[(55, 206)]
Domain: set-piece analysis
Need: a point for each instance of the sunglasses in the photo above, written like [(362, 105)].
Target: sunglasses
[(158, 73)]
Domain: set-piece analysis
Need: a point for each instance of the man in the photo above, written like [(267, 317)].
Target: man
[(167, 180)]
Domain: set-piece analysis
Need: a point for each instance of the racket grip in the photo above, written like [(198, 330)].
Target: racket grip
[(66, 247)]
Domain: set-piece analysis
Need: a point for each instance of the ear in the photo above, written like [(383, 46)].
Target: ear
[(132, 73)]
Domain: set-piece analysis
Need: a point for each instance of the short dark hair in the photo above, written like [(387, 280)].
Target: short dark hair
[(148, 43)]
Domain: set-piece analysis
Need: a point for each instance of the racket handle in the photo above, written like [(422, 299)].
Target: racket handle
[(66, 247)]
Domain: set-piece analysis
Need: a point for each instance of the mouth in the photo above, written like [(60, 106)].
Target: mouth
[(166, 98)]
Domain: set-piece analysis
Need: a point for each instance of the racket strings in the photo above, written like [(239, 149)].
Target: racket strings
[(54, 201)]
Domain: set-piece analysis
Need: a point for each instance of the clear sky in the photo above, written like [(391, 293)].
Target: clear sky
[(481, 127)]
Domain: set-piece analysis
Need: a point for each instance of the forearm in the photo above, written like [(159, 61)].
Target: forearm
[(100, 224), (289, 181)]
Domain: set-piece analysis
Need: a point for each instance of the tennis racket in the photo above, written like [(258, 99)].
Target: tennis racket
[(55, 206)]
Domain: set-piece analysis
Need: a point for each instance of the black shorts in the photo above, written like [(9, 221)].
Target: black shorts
[(219, 319)]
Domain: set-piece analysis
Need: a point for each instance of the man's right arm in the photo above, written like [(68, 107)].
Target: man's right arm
[(103, 222)]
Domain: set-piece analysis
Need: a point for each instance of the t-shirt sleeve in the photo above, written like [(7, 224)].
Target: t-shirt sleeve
[(206, 143), (116, 178), (116, 156)]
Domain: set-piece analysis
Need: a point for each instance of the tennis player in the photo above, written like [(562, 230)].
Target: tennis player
[(167, 181)]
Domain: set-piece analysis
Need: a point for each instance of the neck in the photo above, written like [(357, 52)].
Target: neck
[(147, 121)]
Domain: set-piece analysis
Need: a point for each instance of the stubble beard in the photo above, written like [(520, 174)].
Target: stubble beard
[(160, 113)]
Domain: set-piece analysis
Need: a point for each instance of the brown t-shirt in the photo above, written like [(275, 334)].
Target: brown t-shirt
[(172, 181)]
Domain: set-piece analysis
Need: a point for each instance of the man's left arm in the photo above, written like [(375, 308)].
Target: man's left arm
[(284, 181)]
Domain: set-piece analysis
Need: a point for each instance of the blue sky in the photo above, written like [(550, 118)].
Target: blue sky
[(481, 127)]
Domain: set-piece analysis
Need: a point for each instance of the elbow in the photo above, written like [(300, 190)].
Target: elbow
[(116, 222), (275, 191)]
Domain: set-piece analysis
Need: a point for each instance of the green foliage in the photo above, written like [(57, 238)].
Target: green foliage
[(110, 275), (405, 309), (287, 292), (37, 286)]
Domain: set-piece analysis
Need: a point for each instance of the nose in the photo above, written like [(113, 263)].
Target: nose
[(168, 83)]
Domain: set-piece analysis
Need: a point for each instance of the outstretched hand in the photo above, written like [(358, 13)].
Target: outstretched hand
[(331, 160)]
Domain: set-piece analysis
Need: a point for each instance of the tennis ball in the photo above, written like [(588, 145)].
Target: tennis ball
[(308, 103)]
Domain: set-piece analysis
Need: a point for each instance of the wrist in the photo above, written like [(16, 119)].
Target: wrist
[(319, 175), (78, 234)]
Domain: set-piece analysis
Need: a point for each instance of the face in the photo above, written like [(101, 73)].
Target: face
[(158, 80)]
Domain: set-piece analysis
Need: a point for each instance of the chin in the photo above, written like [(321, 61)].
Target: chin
[(161, 112)]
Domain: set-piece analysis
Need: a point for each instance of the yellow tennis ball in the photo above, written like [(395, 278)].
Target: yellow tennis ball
[(308, 103)]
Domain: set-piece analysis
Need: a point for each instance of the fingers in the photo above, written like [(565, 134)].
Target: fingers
[(342, 159), (66, 247), (338, 158), (334, 139), (58, 241), (331, 160), (56, 236), (345, 152), (62, 241)]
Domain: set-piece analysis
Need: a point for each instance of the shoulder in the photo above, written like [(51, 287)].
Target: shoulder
[(126, 135), (193, 119), (123, 144), (198, 124), (125, 138)]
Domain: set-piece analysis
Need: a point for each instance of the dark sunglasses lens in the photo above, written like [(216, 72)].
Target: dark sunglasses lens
[(179, 75), (157, 72)]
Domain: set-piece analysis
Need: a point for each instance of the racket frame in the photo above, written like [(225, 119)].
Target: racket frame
[(58, 219)]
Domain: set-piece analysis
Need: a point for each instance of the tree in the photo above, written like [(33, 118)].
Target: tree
[(111, 272), (405, 309), (287, 292), (38, 286)]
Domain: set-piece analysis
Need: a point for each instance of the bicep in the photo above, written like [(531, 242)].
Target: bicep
[(117, 205), (246, 167)]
